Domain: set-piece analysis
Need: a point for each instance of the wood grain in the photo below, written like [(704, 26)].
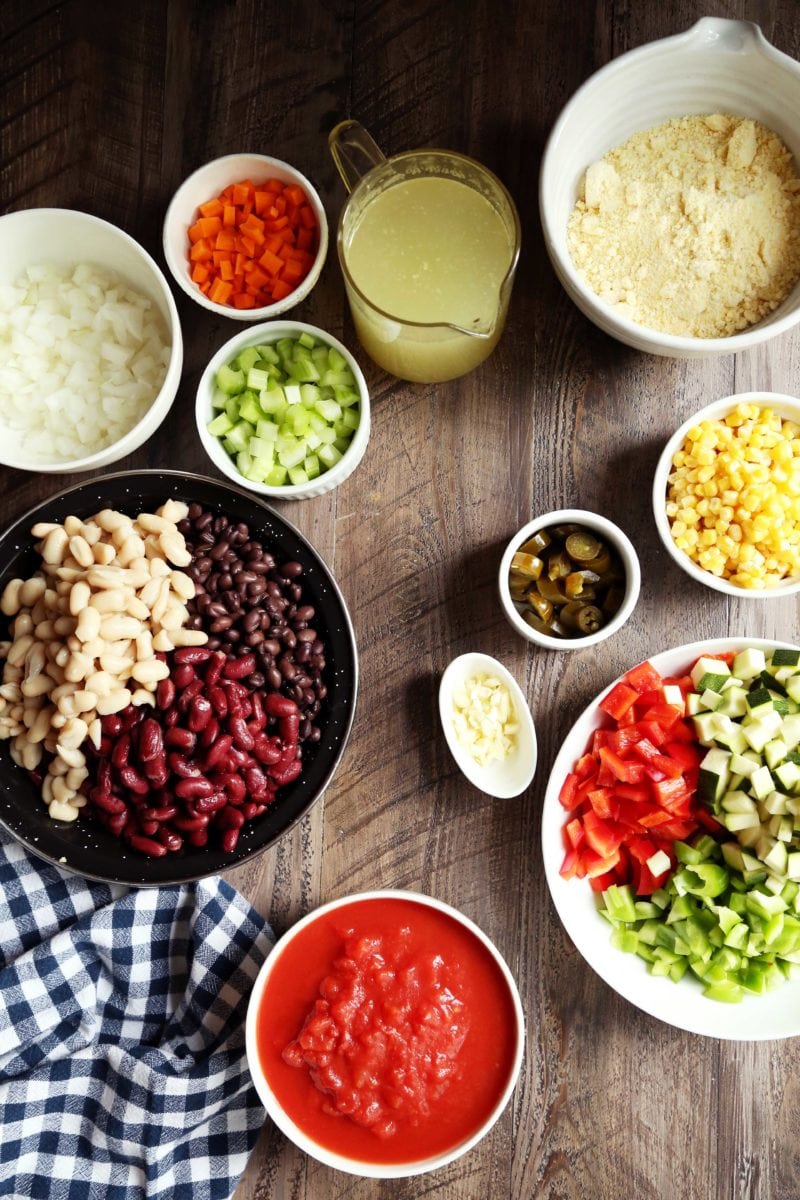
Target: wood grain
[(107, 108)]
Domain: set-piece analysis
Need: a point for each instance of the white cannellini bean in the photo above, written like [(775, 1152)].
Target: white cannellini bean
[(144, 645), (100, 682), (77, 668), (154, 523), (109, 519), (150, 672), (41, 726), (88, 626), (137, 608), (188, 637), (95, 732), (10, 602), (112, 600), (72, 525), (19, 648), (70, 755), (32, 590), (173, 510), (31, 755), (54, 545), (103, 553), (174, 548), (182, 585), (23, 624), (150, 592), (41, 685), (42, 528), (76, 776), (142, 696), (60, 810), (81, 551), (159, 567), (113, 703), (164, 642), (115, 627)]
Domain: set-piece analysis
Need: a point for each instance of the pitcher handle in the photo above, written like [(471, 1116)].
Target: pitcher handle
[(353, 151)]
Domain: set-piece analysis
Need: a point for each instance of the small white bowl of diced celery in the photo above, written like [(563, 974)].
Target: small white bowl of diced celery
[(283, 409)]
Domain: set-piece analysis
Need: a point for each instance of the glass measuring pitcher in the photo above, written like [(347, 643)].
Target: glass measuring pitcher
[(428, 244)]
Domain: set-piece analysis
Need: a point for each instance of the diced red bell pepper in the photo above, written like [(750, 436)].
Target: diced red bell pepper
[(619, 700), (644, 678)]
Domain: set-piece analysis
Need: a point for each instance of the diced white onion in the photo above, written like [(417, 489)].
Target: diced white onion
[(82, 358)]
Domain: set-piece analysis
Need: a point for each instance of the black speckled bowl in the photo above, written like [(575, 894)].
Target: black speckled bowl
[(87, 849)]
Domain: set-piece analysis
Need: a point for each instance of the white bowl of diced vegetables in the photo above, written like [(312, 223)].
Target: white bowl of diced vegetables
[(748, 734), (283, 409), (90, 342)]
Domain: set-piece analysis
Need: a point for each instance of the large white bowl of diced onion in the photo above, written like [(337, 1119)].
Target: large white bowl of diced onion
[(90, 342), (283, 410)]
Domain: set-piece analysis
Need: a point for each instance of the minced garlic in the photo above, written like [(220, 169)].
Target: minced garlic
[(484, 718), (692, 227)]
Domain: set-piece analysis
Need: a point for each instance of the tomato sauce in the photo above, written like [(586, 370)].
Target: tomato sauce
[(387, 1031)]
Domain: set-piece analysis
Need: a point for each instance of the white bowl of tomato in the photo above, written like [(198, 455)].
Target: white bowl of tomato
[(246, 236), (385, 1034)]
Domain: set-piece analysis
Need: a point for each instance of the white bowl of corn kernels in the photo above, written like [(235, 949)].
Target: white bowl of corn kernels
[(726, 495)]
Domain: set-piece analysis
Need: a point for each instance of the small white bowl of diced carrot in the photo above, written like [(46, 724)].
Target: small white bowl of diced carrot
[(246, 236)]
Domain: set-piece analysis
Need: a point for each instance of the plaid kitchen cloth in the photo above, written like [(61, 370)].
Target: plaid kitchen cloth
[(122, 1056)]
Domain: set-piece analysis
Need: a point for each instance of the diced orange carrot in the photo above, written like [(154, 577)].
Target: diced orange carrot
[(200, 273), (229, 215), (243, 300), (200, 251), (212, 208), (226, 269), (220, 291), (271, 262), (281, 289)]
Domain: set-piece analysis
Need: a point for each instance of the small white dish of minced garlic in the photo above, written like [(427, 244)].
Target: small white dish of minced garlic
[(488, 725)]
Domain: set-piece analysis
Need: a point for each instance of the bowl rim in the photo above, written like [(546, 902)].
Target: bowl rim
[(287, 1125), (653, 995), (716, 408), (269, 331), (622, 544), (489, 779), (20, 528), (622, 327), (187, 285), (173, 370)]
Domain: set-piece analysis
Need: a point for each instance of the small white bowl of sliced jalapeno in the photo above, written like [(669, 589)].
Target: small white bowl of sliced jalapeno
[(569, 579)]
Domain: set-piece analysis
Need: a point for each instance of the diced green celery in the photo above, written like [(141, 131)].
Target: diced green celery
[(267, 353), (267, 430), (220, 425), (259, 381), (249, 409), (336, 361), (219, 399), (276, 477), (307, 340), (309, 394), (329, 410), (244, 462), (240, 435), (229, 381), (272, 401), (248, 358), (292, 393), (297, 475), (329, 455), (261, 448), (311, 466)]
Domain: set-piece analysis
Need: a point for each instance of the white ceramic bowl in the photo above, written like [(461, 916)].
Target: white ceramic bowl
[(207, 182), (271, 331), (604, 529), (510, 776), (784, 406), (65, 237), (716, 66), (290, 1128), (776, 1014)]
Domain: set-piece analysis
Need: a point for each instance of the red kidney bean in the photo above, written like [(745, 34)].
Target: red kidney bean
[(235, 787), (191, 824), (106, 802), (231, 818), (130, 778), (119, 755), (147, 845), (214, 669), (211, 804), (158, 814), (199, 714), (266, 749), (184, 739), (256, 782), (188, 694), (156, 772), (229, 839), (210, 734), (184, 767), (283, 774), (241, 734), (219, 701), (191, 655), (151, 740), (165, 694), (238, 668), (218, 751), (173, 841), (183, 676), (116, 823), (148, 828), (190, 789), (289, 727), (277, 705)]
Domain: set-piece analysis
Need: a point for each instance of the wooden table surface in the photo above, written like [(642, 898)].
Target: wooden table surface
[(107, 108)]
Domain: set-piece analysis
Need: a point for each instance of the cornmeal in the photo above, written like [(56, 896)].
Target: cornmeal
[(693, 227)]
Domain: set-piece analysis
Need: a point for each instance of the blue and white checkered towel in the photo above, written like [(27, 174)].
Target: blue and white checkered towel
[(122, 1060)]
